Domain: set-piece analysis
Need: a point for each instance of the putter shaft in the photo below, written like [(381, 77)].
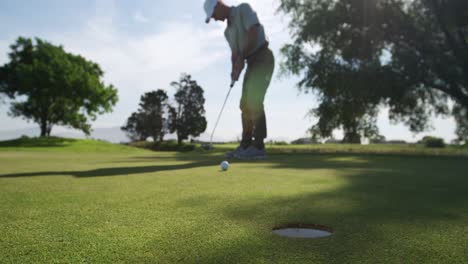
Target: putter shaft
[(222, 108)]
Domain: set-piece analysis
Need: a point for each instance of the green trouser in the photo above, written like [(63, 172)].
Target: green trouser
[(260, 66)]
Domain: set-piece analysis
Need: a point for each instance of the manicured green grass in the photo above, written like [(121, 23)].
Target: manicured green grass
[(386, 149), (55, 144), (86, 201)]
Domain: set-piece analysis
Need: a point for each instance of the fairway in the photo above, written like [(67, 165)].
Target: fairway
[(93, 202)]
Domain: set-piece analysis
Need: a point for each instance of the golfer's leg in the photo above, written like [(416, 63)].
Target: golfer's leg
[(247, 123), (261, 71), (260, 128), (247, 129)]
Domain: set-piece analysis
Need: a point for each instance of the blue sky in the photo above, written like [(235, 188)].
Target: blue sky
[(143, 45)]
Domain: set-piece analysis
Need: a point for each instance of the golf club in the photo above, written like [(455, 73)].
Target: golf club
[(210, 145)]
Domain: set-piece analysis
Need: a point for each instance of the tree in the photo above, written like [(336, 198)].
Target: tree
[(345, 109), (133, 128), (413, 54), (378, 140), (187, 118), (53, 87), (341, 79), (151, 118), (154, 109), (461, 117)]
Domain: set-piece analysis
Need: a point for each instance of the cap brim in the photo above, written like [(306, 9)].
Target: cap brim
[(211, 11)]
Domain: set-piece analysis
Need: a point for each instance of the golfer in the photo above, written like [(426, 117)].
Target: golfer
[(248, 43)]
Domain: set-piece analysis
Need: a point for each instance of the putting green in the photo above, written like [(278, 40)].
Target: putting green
[(76, 202)]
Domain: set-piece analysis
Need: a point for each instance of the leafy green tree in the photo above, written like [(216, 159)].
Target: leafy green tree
[(134, 128), (154, 105), (380, 139), (345, 109), (409, 55), (187, 117), (432, 142), (339, 77), (53, 87), (151, 118), (461, 117)]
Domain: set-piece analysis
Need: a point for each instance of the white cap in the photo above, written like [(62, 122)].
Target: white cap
[(209, 9)]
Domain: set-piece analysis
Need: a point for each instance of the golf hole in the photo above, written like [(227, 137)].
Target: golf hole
[(303, 231)]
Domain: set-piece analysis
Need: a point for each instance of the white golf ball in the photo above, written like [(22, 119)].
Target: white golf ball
[(224, 165)]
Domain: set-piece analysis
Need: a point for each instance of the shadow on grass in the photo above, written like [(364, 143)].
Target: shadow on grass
[(303, 161), (25, 142), (377, 215), (385, 201), (113, 171), (383, 213)]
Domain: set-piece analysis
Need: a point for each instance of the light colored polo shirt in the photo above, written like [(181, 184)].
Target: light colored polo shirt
[(241, 18)]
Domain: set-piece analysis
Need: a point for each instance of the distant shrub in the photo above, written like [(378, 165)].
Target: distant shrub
[(304, 141), (433, 142), (139, 144), (379, 139), (333, 141), (186, 147), (170, 145), (278, 143), (396, 141)]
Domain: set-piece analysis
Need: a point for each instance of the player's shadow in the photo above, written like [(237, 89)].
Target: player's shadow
[(115, 171), (51, 142), (193, 160)]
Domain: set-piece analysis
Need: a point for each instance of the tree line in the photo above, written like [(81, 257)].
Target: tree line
[(410, 56), (50, 87), (157, 117)]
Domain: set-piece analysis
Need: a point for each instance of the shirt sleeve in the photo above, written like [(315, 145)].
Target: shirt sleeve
[(229, 40), (248, 15)]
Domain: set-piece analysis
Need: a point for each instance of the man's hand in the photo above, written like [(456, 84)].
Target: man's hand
[(238, 65), (238, 62)]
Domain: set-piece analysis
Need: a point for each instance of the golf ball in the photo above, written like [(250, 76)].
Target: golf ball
[(224, 165)]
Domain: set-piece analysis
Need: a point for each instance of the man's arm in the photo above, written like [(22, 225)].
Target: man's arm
[(236, 66), (250, 23), (234, 58), (238, 59)]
